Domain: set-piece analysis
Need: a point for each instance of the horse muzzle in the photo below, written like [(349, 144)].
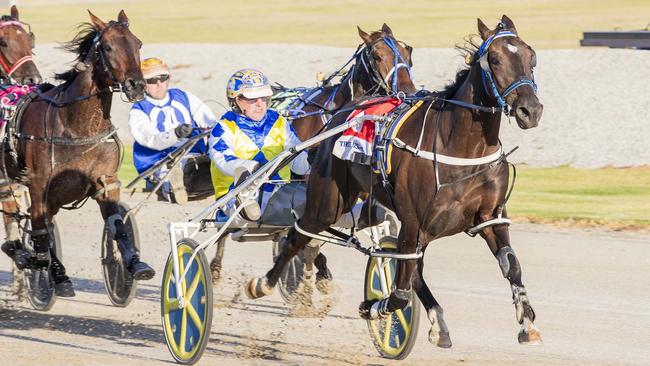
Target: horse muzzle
[(134, 89), (527, 112)]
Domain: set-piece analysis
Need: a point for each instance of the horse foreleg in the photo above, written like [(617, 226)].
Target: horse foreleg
[(439, 332), (498, 239), (41, 236), (108, 204)]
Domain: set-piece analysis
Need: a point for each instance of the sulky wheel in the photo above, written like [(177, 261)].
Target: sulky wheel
[(187, 329), (39, 282), (393, 336), (291, 275), (118, 281)]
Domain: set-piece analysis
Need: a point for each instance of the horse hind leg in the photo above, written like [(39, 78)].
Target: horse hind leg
[(215, 263), (439, 332)]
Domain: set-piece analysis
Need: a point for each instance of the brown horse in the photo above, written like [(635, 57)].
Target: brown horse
[(448, 175), (68, 149), (382, 66)]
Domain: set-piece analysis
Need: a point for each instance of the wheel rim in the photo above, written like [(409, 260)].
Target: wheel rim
[(291, 276), (391, 335), (185, 328)]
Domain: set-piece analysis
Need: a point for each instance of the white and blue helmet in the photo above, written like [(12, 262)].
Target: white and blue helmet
[(250, 83)]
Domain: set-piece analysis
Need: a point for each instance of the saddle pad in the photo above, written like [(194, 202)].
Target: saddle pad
[(10, 95), (356, 142)]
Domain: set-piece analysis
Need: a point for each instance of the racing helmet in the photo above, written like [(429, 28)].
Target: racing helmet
[(249, 83)]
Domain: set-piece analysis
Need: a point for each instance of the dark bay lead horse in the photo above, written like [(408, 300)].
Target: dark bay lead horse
[(67, 147), (454, 181)]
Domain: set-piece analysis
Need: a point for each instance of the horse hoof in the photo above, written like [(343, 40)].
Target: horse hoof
[(216, 277), (324, 285), (257, 287), (530, 335), (142, 271), (64, 289), (364, 309), (440, 339)]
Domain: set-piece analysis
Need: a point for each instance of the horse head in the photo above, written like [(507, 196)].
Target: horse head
[(16, 46), (117, 53), (387, 61), (507, 63)]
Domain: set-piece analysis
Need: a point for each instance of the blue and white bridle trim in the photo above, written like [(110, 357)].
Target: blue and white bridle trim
[(389, 82), (488, 80)]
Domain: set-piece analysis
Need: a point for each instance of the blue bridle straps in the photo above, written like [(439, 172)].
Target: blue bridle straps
[(487, 78)]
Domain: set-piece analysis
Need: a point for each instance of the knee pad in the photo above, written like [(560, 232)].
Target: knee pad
[(508, 263)]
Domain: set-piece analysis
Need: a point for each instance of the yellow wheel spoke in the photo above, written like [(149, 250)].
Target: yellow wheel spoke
[(183, 330), (389, 323), (193, 286), (181, 268), (402, 319), (194, 316), (171, 305)]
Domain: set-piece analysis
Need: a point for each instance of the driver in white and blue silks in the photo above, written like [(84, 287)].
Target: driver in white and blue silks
[(163, 121), (249, 136)]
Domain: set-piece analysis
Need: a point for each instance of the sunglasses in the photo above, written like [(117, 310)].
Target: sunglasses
[(254, 100), (155, 80)]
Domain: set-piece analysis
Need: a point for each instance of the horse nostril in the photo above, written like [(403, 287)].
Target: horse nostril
[(523, 113)]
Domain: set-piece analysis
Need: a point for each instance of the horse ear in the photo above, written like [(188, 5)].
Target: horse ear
[(98, 23), (122, 18), (365, 36), (14, 12), (508, 23), (483, 30), (386, 29)]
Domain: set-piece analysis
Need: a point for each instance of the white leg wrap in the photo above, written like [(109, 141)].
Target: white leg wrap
[(12, 231)]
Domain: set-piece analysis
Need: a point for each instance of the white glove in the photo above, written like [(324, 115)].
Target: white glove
[(300, 165)]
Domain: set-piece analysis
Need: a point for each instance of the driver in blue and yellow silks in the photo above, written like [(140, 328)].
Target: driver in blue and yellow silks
[(248, 136)]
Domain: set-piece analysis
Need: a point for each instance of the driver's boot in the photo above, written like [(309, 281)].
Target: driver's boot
[(140, 270)]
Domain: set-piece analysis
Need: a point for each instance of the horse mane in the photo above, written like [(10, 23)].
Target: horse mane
[(468, 50), (7, 18), (81, 45)]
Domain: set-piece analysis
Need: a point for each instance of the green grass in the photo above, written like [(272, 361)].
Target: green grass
[(617, 198), (610, 197), (422, 23)]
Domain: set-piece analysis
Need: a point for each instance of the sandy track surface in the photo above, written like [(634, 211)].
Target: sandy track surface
[(589, 289)]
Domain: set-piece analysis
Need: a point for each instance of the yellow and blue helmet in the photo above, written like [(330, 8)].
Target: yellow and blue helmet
[(250, 83)]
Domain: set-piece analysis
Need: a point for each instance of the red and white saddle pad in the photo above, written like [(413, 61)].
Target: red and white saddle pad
[(10, 95), (356, 142)]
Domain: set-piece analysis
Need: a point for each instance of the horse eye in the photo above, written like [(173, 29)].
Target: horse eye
[(107, 48), (3, 43), (376, 57)]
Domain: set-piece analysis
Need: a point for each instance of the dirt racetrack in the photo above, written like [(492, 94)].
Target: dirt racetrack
[(590, 290)]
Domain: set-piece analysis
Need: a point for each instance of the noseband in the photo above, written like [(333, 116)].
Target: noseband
[(6, 68), (389, 83), (488, 79)]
